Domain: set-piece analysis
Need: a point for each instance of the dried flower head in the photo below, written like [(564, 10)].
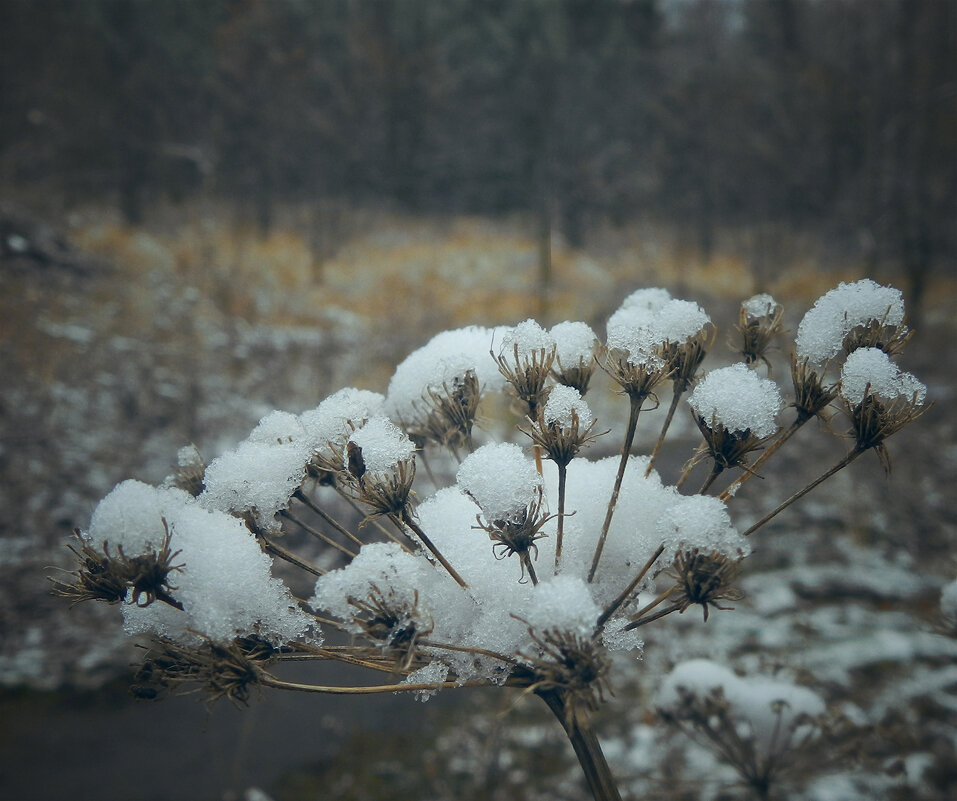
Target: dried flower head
[(637, 380), (572, 666), (448, 414), (726, 447), (682, 359), (561, 432), (705, 579), (759, 323), (517, 533), (394, 625), (223, 671), (811, 395), (526, 372), (385, 493), (189, 472), (892, 339), (103, 576), (575, 375), (879, 398)]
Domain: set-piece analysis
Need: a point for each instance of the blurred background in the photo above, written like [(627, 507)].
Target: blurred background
[(212, 209)]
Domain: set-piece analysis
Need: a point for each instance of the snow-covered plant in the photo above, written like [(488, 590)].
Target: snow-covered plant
[(424, 592), (759, 726)]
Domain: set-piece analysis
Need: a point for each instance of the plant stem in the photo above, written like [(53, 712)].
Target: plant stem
[(299, 495), (675, 398), (768, 453), (317, 534), (587, 748), (623, 596), (798, 495), (289, 556), (625, 452), (410, 522), (271, 681), (562, 475), (716, 471)]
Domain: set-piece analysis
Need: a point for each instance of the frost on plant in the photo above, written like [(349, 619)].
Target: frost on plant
[(424, 588)]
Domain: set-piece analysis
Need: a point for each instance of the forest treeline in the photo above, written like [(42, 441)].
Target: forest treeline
[(840, 115)]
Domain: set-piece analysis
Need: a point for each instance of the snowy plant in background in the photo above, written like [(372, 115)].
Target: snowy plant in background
[(758, 726), (413, 569)]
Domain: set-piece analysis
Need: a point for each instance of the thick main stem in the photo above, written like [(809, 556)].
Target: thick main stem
[(587, 748), (625, 453), (798, 495)]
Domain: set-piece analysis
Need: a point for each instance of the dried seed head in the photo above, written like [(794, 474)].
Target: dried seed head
[(391, 624), (95, 580), (388, 493), (517, 533), (559, 429), (879, 398), (575, 375), (637, 380), (527, 373), (705, 579), (811, 395), (189, 472), (448, 414), (682, 359), (727, 448), (892, 339), (104, 577), (224, 671), (759, 323), (575, 666)]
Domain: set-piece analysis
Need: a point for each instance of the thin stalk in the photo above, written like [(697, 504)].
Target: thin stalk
[(410, 522), (625, 453), (562, 475), (388, 534), (587, 748), (798, 495), (301, 496), (615, 605), (467, 649), (289, 556), (317, 534), (538, 458), (268, 680), (675, 398), (752, 470), (656, 616), (648, 607), (428, 469), (527, 561), (716, 471)]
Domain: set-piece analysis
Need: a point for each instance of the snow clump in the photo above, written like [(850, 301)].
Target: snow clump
[(444, 360), (574, 343), (501, 480), (530, 338), (700, 522), (383, 445), (562, 401), (261, 473), (224, 581), (736, 398), (835, 314), (642, 326), (758, 306), (332, 422), (871, 370)]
